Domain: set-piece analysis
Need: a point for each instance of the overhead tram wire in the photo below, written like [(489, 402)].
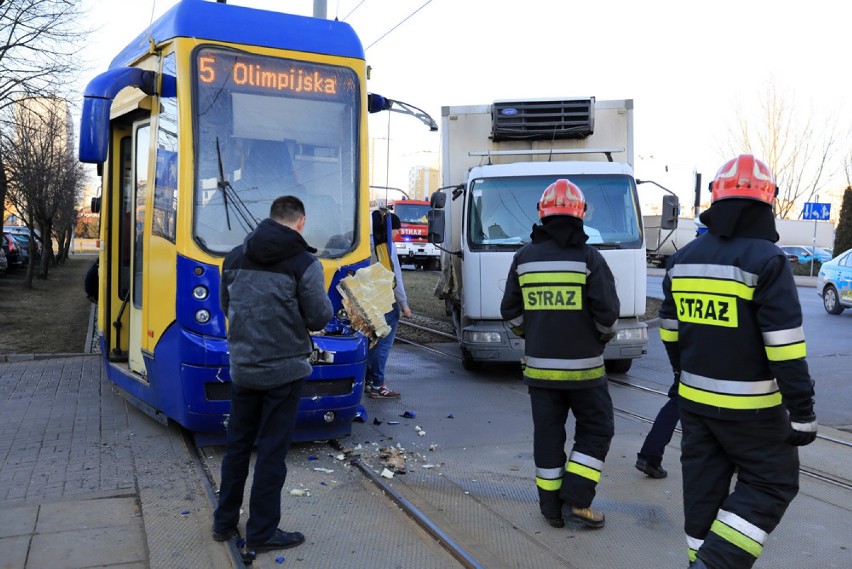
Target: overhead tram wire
[(352, 11), (398, 25)]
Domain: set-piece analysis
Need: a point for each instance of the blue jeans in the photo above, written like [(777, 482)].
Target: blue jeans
[(377, 357), (265, 418)]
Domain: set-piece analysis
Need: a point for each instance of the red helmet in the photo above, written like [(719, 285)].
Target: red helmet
[(562, 197), (744, 177)]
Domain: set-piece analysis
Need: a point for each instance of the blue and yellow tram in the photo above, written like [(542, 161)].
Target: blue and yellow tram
[(198, 125)]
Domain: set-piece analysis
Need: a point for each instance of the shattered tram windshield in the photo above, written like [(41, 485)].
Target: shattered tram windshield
[(267, 127), (503, 210)]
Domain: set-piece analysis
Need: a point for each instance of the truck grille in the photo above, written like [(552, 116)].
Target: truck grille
[(543, 120)]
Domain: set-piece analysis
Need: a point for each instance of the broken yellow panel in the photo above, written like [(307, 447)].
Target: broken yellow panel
[(367, 297)]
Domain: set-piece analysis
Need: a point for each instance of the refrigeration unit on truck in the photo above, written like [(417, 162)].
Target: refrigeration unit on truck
[(497, 160), (411, 244)]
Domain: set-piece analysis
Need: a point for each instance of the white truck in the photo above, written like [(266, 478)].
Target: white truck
[(806, 233), (663, 243), (497, 160)]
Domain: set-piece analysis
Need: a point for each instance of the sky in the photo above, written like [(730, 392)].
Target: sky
[(687, 66)]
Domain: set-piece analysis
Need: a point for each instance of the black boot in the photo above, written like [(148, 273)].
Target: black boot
[(654, 471)]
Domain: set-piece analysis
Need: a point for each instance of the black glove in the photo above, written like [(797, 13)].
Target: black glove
[(803, 430), (607, 337)]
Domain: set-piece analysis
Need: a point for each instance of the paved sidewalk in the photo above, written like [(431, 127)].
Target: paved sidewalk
[(88, 481)]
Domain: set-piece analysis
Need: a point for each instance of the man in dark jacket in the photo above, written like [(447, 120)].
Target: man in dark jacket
[(273, 292), (732, 326), (560, 296)]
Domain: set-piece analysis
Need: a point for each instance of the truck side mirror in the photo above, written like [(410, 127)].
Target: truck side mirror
[(435, 225), (96, 205), (669, 213), (438, 200)]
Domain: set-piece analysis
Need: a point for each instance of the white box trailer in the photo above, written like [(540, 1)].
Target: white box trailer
[(497, 160)]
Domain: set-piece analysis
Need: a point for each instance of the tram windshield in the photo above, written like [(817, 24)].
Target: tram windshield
[(503, 211), (267, 127)]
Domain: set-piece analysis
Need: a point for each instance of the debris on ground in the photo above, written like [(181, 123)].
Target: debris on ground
[(393, 459)]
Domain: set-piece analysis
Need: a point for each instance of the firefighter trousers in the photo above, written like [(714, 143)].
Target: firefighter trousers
[(570, 479), (728, 529)]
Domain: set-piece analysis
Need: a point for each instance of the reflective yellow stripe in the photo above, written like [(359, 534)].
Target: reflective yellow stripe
[(584, 471), (729, 401), (668, 335), (538, 278), (742, 541), (564, 374), (550, 485), (784, 353), (715, 286), (692, 554)]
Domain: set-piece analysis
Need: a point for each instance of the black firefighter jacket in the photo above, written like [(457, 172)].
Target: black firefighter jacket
[(273, 292), (731, 320), (560, 295)]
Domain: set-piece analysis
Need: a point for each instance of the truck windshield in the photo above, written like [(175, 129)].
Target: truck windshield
[(502, 211), (267, 127), (411, 213)]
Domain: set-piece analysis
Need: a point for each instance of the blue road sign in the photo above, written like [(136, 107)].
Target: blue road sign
[(816, 211)]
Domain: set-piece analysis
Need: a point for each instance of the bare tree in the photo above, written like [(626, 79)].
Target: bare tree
[(39, 45), (798, 148), (44, 178)]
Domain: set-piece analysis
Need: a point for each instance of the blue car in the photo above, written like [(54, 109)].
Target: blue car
[(834, 283), (805, 253)]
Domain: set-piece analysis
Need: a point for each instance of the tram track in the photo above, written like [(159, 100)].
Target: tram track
[(814, 473), (430, 529)]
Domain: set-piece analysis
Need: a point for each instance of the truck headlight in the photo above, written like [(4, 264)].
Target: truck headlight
[(632, 335), (474, 336)]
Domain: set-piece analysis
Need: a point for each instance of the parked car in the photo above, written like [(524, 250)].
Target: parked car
[(23, 242), (10, 247), (4, 264), (805, 253), (20, 231), (834, 283)]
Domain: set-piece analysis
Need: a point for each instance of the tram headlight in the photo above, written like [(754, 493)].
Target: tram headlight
[(328, 417), (200, 292), (202, 316)]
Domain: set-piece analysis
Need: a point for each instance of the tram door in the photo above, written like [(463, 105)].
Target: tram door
[(136, 325)]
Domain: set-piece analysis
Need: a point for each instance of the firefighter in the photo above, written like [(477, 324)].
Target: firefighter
[(732, 326), (560, 296)]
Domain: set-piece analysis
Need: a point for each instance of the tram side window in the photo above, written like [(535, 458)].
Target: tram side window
[(125, 237), (143, 136), (165, 188)]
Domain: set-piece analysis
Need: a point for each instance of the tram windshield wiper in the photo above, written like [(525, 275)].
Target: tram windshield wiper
[(247, 220)]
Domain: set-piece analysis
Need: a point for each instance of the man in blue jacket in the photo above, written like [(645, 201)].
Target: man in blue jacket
[(273, 293), (560, 296)]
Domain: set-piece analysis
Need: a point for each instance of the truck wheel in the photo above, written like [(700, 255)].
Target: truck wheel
[(831, 301), (618, 366), (434, 265), (418, 266), (468, 362)]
